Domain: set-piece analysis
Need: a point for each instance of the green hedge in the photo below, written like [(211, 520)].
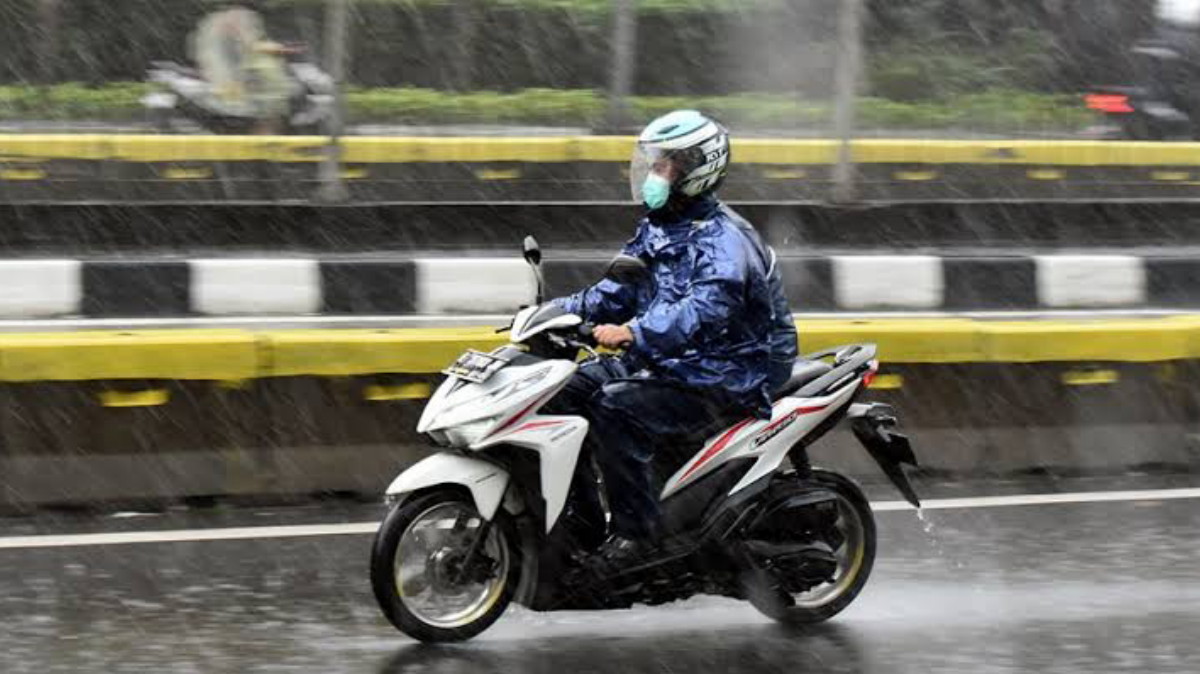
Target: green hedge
[(603, 6), (112, 102), (992, 110)]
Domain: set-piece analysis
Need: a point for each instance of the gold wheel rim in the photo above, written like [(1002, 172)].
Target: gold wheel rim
[(419, 574)]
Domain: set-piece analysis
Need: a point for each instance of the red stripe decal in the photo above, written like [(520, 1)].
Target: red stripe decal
[(728, 437), (537, 424), (718, 446), (521, 415)]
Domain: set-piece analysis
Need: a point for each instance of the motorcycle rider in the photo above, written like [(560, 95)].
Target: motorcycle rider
[(1178, 79), (247, 67), (708, 334)]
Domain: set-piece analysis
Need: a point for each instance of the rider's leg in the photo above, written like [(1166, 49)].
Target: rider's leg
[(633, 416)]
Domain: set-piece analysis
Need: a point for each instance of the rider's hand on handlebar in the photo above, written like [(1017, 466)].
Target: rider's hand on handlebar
[(613, 336)]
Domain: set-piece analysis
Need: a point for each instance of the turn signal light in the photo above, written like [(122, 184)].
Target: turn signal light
[(1112, 104)]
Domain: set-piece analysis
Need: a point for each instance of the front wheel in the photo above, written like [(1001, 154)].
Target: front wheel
[(855, 558), (435, 579)]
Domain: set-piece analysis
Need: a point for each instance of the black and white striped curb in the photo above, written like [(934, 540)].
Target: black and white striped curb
[(44, 288)]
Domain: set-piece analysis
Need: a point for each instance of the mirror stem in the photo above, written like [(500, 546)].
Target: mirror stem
[(537, 273)]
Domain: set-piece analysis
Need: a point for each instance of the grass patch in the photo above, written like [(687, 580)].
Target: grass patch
[(990, 110)]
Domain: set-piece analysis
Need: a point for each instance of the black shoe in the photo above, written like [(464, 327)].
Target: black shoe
[(615, 555)]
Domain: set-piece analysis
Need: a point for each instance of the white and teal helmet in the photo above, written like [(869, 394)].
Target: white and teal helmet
[(696, 145)]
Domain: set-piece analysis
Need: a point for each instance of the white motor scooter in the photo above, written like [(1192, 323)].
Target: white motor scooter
[(512, 505)]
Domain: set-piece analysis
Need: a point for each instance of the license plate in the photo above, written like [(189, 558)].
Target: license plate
[(475, 366)]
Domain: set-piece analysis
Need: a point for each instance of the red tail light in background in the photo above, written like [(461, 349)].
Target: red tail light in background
[(1111, 104), (870, 375)]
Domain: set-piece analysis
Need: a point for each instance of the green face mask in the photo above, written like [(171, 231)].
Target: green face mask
[(655, 191)]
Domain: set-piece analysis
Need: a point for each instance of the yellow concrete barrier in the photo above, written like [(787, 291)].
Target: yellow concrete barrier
[(355, 352), (148, 398), (412, 391), (97, 416), (241, 355), (900, 340), (779, 151), (1119, 340), (145, 354)]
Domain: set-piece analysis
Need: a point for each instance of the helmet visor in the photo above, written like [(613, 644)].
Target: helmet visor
[(647, 160)]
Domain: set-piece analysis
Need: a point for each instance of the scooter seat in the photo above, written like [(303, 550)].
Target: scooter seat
[(803, 372)]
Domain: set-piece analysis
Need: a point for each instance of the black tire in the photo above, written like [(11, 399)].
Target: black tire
[(769, 602), (383, 577)]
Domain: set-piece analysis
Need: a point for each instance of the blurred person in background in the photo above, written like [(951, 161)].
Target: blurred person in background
[(248, 70), (708, 335), (268, 83)]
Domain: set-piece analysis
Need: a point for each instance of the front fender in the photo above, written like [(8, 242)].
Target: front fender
[(487, 482)]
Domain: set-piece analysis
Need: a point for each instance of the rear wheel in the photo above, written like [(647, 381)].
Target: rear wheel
[(426, 579), (855, 557)]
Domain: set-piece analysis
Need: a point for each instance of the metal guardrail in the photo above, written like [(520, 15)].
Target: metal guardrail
[(566, 149), (85, 167)]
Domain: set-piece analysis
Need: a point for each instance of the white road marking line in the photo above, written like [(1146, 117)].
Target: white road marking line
[(185, 535), (1041, 499), (308, 530)]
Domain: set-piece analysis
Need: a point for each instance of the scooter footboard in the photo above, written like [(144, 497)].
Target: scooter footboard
[(487, 482)]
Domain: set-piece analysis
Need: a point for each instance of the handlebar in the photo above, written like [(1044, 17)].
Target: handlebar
[(585, 331), (583, 338)]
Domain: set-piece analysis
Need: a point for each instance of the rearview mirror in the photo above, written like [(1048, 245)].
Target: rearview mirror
[(532, 252), (626, 269)]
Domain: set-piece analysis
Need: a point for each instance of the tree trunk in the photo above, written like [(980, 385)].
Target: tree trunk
[(48, 48), (624, 46)]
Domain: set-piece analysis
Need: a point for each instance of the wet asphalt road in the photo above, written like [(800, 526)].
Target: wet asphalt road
[(1091, 587)]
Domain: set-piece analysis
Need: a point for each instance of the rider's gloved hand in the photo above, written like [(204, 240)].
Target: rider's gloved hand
[(613, 336)]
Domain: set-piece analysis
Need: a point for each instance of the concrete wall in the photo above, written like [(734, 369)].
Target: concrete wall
[(79, 443)]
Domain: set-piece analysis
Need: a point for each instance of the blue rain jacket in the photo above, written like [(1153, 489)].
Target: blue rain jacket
[(713, 313)]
